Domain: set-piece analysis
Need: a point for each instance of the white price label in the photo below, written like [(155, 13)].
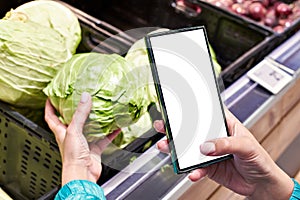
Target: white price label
[(269, 76)]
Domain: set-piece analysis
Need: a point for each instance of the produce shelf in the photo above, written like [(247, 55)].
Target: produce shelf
[(30, 163)]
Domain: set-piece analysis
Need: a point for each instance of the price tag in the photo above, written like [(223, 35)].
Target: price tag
[(269, 76)]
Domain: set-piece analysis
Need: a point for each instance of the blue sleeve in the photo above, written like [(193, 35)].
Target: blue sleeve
[(296, 191), (80, 189)]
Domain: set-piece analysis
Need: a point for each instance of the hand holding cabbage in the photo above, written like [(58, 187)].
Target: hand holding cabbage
[(120, 91)]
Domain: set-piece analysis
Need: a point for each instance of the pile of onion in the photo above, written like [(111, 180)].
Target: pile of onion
[(275, 14)]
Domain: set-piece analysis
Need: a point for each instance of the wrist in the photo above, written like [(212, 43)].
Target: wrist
[(75, 172), (277, 186)]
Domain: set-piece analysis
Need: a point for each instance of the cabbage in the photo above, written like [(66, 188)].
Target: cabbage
[(53, 15), (217, 66), (135, 130), (36, 39), (30, 55), (119, 92), (138, 53)]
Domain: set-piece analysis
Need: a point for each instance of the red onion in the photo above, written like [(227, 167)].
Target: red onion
[(282, 10), (239, 9), (278, 29), (257, 11), (270, 18)]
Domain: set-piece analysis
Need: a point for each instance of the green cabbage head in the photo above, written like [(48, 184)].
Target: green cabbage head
[(138, 53), (30, 55), (119, 90), (36, 39), (51, 14)]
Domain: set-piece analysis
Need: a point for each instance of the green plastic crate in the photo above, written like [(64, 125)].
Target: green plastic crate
[(30, 164)]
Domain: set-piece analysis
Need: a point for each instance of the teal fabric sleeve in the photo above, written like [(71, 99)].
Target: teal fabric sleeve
[(80, 189), (296, 192)]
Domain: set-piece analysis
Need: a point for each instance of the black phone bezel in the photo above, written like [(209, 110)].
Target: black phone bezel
[(159, 93)]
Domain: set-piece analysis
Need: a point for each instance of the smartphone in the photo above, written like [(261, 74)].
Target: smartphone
[(188, 94)]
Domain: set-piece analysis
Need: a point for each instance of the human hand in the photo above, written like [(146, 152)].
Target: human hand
[(80, 160), (251, 172)]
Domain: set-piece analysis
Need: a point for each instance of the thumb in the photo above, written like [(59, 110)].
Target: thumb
[(242, 147), (81, 114)]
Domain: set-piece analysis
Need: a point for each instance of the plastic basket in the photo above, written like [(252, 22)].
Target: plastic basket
[(30, 162)]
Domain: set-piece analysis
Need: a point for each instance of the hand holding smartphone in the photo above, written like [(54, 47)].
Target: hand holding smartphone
[(188, 94)]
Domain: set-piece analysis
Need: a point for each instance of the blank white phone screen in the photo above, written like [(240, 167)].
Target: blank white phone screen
[(190, 93)]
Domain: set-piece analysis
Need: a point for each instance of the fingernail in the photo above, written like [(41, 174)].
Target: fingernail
[(207, 148), (84, 97), (156, 146)]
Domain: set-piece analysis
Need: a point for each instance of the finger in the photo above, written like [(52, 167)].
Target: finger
[(81, 114), (243, 147), (58, 128), (102, 144), (235, 127), (231, 121), (159, 126), (113, 135), (163, 146), (197, 174), (229, 115)]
